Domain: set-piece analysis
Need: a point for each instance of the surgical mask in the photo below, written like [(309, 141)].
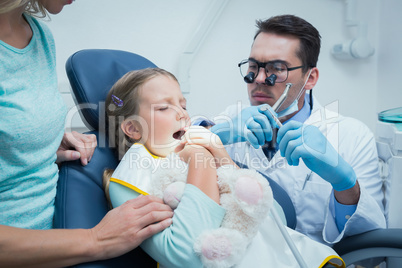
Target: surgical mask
[(293, 107)]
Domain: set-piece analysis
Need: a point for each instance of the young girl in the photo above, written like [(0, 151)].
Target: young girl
[(167, 158), (219, 207)]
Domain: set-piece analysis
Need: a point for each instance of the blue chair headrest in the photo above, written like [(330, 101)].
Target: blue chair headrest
[(93, 72)]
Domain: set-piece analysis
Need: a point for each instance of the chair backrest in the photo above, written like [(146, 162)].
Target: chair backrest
[(80, 200), (92, 72)]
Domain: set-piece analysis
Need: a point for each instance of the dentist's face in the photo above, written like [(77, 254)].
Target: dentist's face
[(55, 6), (272, 47)]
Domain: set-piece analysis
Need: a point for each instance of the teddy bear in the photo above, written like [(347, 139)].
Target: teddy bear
[(244, 193)]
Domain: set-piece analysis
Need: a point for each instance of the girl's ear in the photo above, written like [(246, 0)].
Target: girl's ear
[(131, 129)]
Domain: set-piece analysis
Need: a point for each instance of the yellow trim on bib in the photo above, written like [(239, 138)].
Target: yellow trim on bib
[(154, 156), (328, 260), (128, 185)]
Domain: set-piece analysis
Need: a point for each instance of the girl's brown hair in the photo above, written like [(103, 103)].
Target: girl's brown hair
[(122, 102)]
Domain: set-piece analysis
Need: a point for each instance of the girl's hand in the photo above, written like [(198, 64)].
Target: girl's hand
[(201, 169), (188, 152), (197, 135)]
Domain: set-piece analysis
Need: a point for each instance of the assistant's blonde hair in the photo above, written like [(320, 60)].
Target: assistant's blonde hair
[(31, 7)]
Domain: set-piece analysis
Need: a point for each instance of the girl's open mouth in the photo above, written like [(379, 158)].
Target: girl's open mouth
[(177, 135)]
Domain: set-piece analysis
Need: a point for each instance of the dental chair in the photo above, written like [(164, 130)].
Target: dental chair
[(371, 248), (80, 199)]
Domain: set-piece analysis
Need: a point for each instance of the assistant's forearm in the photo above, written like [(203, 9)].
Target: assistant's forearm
[(45, 248)]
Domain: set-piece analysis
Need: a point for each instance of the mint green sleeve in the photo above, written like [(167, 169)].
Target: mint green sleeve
[(120, 194), (173, 247)]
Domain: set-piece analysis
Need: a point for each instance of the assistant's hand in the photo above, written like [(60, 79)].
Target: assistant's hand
[(127, 226), (252, 125), (76, 146), (297, 140)]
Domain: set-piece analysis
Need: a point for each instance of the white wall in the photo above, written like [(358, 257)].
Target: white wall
[(160, 30), (389, 87)]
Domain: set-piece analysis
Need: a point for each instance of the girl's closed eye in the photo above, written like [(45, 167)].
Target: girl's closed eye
[(163, 107)]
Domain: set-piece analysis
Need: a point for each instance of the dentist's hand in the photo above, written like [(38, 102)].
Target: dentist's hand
[(252, 125), (297, 140)]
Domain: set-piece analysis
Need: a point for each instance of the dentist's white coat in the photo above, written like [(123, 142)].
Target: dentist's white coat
[(314, 203)]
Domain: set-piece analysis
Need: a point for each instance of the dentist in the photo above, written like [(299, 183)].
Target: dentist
[(327, 163)]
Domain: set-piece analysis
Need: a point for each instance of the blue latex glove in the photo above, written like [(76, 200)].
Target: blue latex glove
[(297, 140), (252, 125)]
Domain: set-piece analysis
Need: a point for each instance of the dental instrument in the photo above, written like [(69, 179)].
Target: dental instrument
[(276, 217), (288, 239), (282, 98), (278, 104), (266, 108)]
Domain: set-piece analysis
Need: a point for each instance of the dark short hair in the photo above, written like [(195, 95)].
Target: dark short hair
[(310, 39)]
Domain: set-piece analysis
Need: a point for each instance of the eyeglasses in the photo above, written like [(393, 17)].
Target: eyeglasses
[(278, 68)]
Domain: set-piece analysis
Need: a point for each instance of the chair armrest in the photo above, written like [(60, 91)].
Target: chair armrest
[(389, 238)]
